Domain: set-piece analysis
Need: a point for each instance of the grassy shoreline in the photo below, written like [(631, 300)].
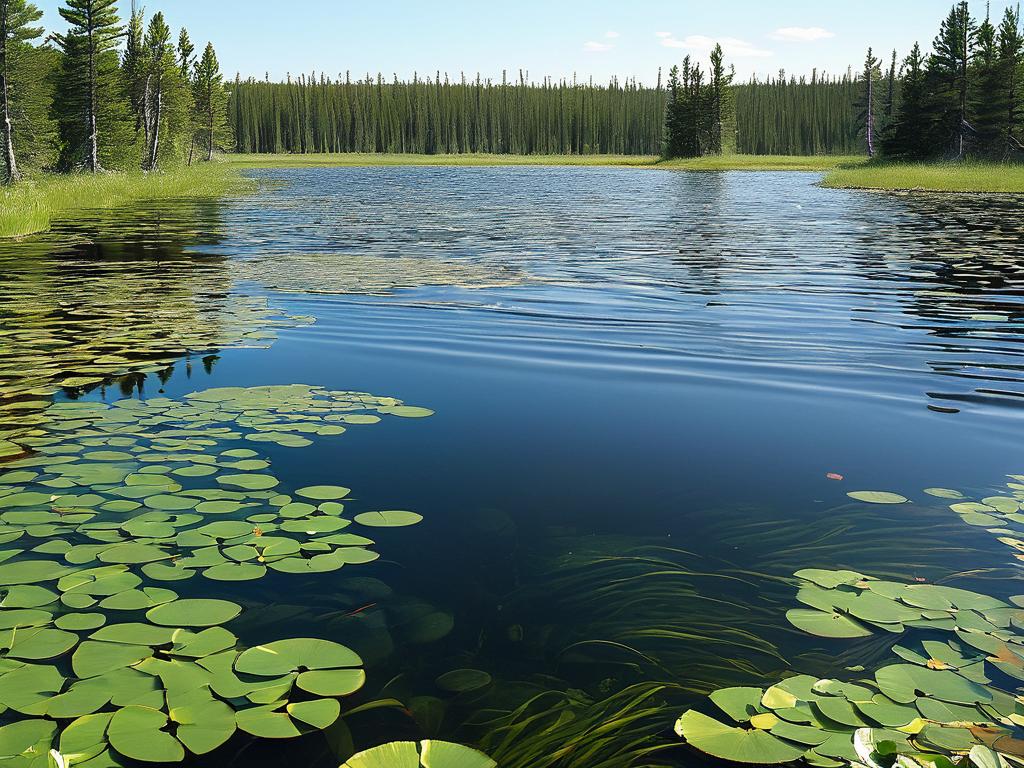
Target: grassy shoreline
[(30, 206), (989, 178), (365, 160)]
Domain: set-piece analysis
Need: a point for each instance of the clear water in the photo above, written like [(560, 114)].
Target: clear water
[(655, 359)]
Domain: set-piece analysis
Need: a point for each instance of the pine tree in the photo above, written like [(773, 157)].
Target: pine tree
[(869, 100), (949, 79), (90, 69), (1010, 94), (161, 69), (211, 102), (986, 105), (186, 54), (16, 18), (673, 125), (909, 137), (721, 107), (133, 66)]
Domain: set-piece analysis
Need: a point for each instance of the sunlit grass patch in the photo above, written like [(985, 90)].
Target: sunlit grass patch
[(933, 177), (32, 205)]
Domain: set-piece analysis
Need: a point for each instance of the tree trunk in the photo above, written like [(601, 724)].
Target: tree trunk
[(12, 174), (209, 154), (154, 151), (871, 115), (94, 149), (146, 119)]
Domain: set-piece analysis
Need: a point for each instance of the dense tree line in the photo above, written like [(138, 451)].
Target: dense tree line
[(700, 116), (104, 94), (965, 98), (315, 113), (798, 116)]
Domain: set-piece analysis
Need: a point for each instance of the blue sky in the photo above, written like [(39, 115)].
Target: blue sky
[(596, 38)]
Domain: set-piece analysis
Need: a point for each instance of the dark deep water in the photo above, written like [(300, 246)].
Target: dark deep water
[(620, 359)]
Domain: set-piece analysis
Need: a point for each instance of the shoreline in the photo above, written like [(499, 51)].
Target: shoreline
[(711, 163), (29, 207)]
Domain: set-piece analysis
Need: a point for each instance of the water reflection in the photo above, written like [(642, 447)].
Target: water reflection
[(112, 297)]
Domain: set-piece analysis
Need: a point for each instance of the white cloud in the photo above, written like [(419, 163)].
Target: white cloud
[(731, 46), (663, 34), (802, 34), (611, 35), (592, 46)]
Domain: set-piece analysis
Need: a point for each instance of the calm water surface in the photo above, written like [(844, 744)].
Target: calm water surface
[(622, 361)]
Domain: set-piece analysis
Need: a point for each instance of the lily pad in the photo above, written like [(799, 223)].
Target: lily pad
[(735, 744), (878, 497), (197, 612)]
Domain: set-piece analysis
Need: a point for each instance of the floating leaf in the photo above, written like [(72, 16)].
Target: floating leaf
[(735, 744), (324, 492), (878, 497), (388, 519), (198, 612), (138, 732)]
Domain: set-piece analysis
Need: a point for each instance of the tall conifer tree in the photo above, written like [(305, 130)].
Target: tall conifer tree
[(211, 102), (16, 20), (90, 69)]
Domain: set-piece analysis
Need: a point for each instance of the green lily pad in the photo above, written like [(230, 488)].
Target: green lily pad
[(250, 482), (427, 754), (822, 624), (37, 643), (734, 744), (194, 613), (388, 519), (77, 622), (138, 732), (298, 654), (324, 492), (26, 742), (878, 497), (903, 682)]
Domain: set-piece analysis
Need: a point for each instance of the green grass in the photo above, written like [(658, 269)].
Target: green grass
[(726, 163), (763, 163), (933, 177), (30, 206)]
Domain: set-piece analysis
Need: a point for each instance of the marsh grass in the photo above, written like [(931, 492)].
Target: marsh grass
[(930, 177), (32, 205), (724, 163)]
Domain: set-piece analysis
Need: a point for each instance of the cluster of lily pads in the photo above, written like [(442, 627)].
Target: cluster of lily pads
[(937, 702), (116, 498)]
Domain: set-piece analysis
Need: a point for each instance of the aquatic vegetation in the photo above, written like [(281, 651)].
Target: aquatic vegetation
[(428, 754), (328, 273), (567, 729), (939, 701), (113, 498)]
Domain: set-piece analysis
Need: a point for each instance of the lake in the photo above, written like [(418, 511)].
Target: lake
[(632, 405)]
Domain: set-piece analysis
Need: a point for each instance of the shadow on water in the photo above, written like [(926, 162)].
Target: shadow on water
[(641, 380)]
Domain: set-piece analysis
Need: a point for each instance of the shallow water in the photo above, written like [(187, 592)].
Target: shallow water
[(618, 360)]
